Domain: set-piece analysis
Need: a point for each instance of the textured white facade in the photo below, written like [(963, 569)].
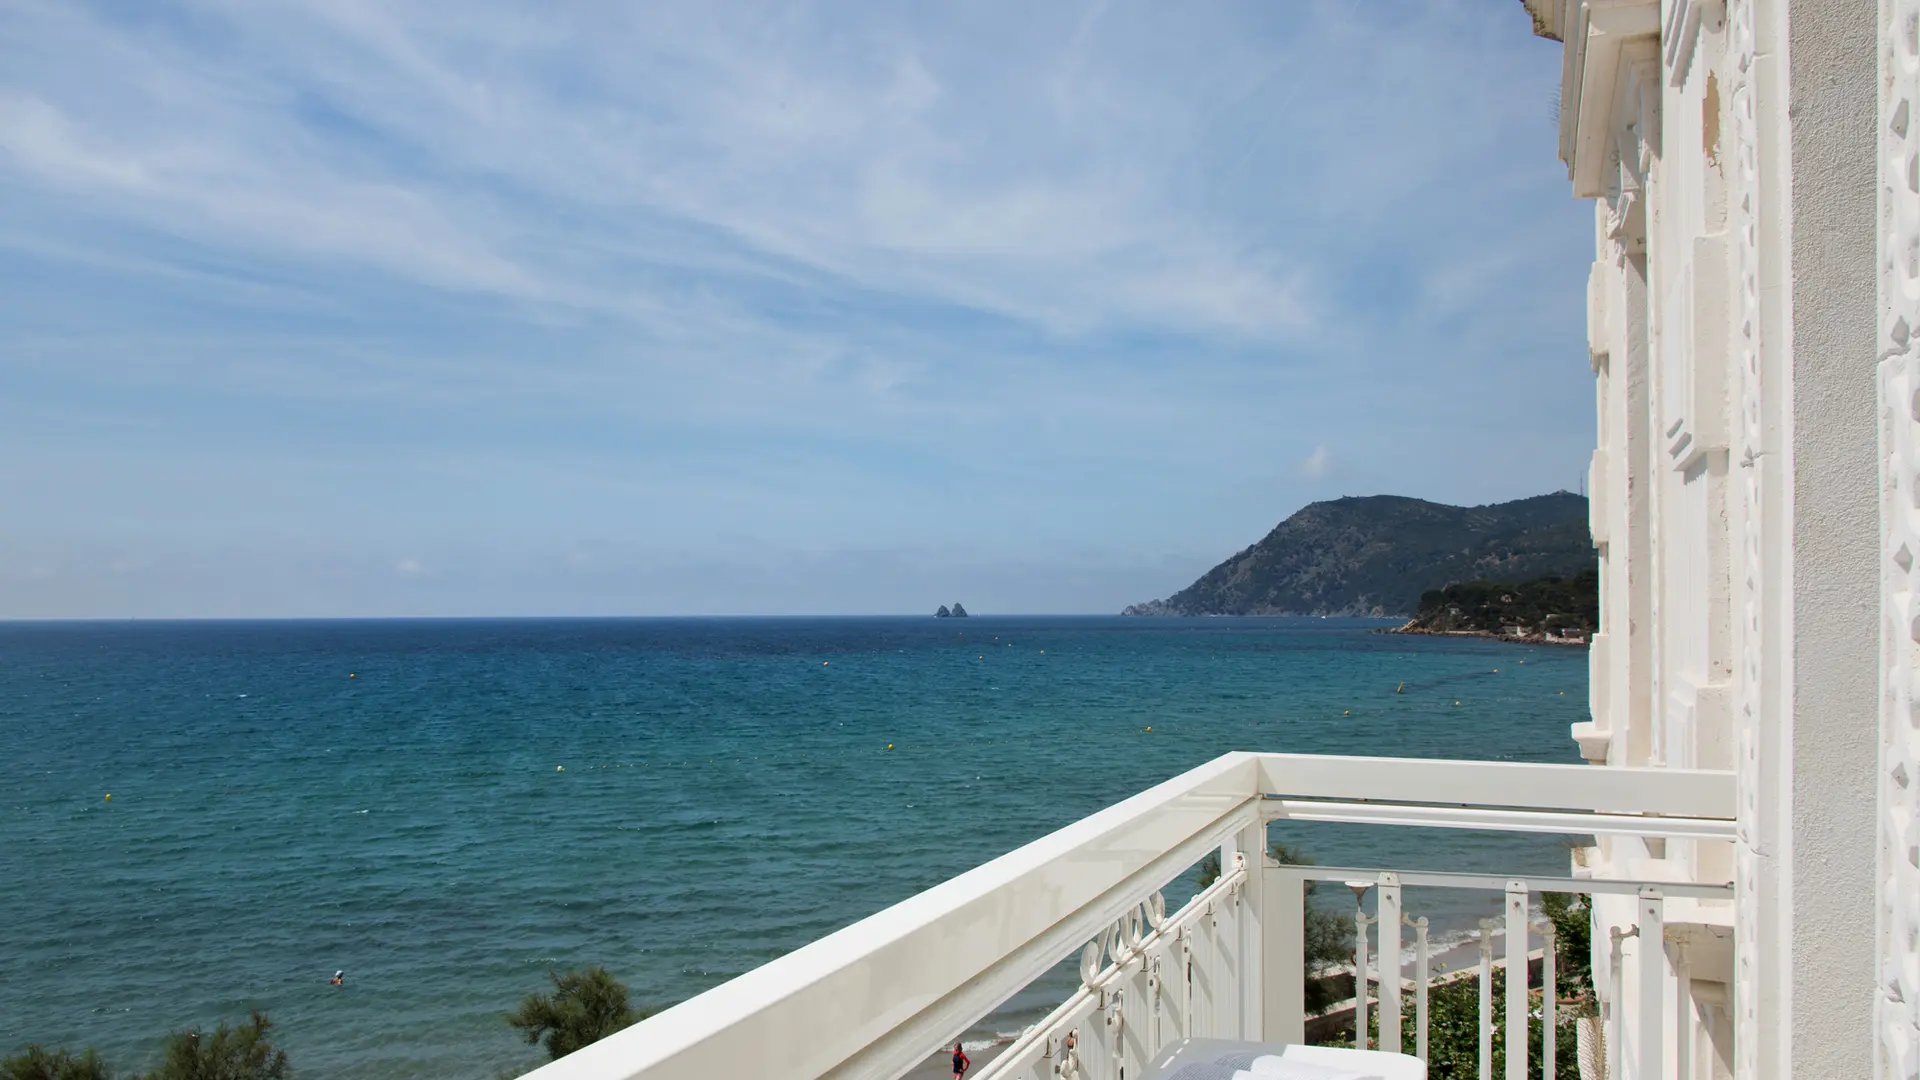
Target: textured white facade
[(1899, 779), (1729, 150)]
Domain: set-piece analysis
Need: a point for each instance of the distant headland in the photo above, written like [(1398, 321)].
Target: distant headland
[(1377, 555), (955, 612)]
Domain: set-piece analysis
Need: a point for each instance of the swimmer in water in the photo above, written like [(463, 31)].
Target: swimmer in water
[(339, 978)]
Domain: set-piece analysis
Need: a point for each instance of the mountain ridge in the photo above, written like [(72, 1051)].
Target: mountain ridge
[(1376, 554)]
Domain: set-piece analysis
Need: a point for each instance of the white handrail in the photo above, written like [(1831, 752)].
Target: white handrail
[(867, 1002)]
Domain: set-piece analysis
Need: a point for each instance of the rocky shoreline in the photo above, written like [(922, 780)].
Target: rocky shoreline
[(1413, 627)]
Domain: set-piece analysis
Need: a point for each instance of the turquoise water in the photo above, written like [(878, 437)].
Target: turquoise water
[(292, 798)]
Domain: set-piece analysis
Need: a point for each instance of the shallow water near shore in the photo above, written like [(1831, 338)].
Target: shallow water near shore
[(447, 810)]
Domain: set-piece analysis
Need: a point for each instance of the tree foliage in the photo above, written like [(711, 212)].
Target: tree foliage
[(36, 1063), (1547, 605), (237, 1053), (1572, 950), (584, 1007)]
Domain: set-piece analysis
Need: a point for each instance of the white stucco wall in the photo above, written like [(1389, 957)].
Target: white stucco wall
[(1733, 322), (1831, 103)]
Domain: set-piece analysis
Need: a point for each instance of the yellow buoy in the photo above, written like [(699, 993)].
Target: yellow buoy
[(109, 796), (1496, 671), (1149, 727), (889, 746), (1456, 703), (1349, 712), (559, 768)]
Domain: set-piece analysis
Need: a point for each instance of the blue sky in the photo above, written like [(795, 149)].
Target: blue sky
[(372, 307)]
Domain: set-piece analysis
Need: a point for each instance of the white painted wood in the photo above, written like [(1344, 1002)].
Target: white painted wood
[(1653, 985), (1421, 977), (1549, 1005), (1284, 1015), (1516, 984), (1486, 999), (869, 1000), (1389, 921), (1362, 972), (1533, 821), (1700, 793)]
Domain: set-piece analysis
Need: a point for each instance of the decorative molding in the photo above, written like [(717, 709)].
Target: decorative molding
[(1748, 438), (1635, 119), (1897, 1008), (1589, 135), (1681, 36)]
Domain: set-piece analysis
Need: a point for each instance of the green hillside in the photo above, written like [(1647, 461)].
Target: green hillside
[(1376, 555)]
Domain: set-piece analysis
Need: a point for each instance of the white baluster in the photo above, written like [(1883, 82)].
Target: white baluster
[(1516, 1038), (1389, 919), (1206, 974), (1420, 955), (1486, 999), (1549, 1002), (1283, 927), (1652, 933), (1360, 961), (1683, 1023), (1176, 989), (1617, 984)]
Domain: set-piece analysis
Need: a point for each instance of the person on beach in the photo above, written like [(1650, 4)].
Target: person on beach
[(339, 978), (961, 1063)]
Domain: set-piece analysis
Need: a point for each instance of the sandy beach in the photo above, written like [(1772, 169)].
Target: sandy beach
[(939, 1066)]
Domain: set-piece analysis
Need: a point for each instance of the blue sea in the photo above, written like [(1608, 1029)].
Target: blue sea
[(450, 809)]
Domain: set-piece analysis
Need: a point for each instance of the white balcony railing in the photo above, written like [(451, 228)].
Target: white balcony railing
[(871, 1001)]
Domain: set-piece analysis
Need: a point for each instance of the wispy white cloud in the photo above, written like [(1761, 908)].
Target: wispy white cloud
[(992, 274), (1020, 178)]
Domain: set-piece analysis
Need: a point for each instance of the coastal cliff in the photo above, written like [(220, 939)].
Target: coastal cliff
[(1376, 555)]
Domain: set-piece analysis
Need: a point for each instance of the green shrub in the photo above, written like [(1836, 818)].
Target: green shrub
[(585, 1007), (240, 1053), (39, 1064)]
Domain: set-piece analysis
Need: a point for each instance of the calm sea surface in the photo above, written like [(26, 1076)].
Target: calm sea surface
[(290, 798)]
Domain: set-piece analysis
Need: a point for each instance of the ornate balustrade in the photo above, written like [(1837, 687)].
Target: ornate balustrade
[(870, 1001)]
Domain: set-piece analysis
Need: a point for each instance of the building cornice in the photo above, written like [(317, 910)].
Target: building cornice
[(1600, 63)]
